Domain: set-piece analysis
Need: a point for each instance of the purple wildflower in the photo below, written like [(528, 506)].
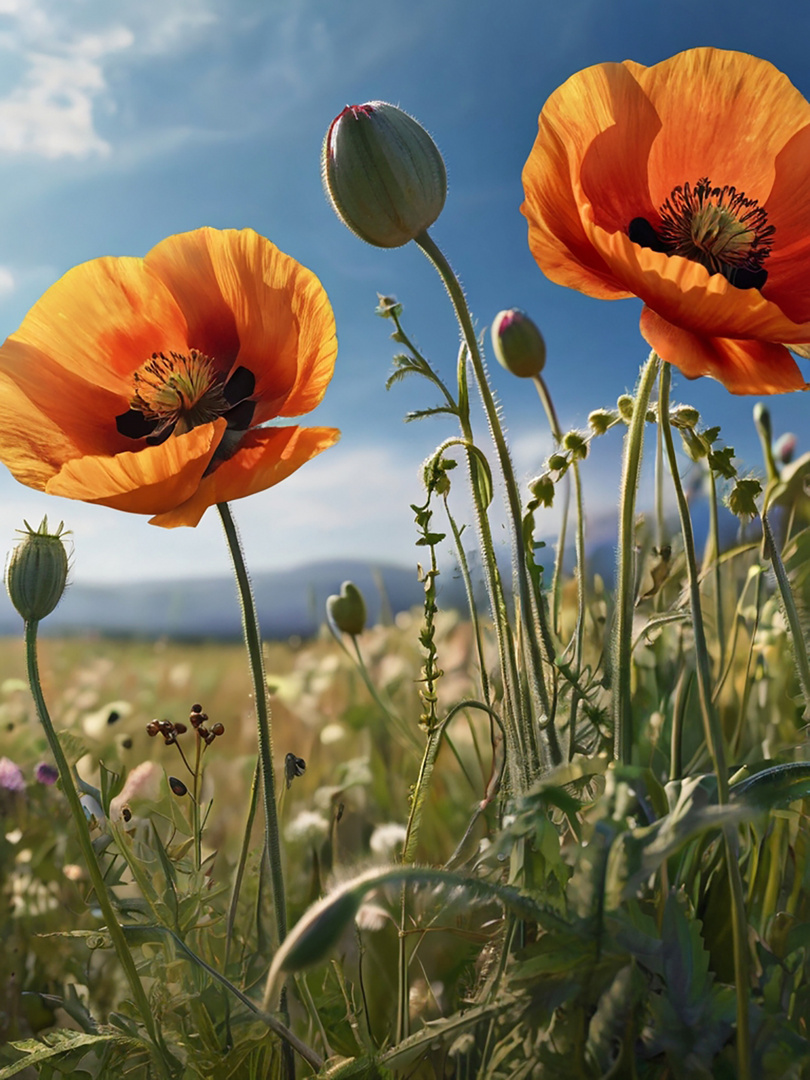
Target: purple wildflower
[(46, 774), (11, 777)]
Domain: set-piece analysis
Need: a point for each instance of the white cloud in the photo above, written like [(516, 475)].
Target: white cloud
[(63, 82), (8, 282)]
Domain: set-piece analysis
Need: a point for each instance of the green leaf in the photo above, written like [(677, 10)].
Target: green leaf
[(775, 787), (59, 1042)]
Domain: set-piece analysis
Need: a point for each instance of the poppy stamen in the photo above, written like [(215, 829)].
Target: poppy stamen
[(184, 391), (719, 227), (177, 392)]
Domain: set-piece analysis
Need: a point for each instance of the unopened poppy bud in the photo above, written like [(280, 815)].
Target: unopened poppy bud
[(37, 571), (348, 610), (785, 447), (762, 418), (383, 174), (518, 344)]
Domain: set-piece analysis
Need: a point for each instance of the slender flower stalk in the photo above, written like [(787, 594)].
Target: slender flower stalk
[(250, 626), (556, 431), (532, 613), (113, 927), (786, 593), (625, 591), (714, 740)]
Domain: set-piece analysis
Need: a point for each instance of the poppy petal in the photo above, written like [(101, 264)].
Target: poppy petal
[(725, 115), (685, 293), (148, 481), (247, 300), (742, 366), (264, 458), (102, 320)]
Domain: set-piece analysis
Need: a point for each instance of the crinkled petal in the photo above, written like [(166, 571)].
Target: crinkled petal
[(148, 481), (598, 117), (102, 320), (684, 292), (265, 457), (245, 299), (742, 366), (725, 115), (788, 207)]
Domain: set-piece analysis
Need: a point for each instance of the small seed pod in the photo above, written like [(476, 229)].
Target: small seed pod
[(152, 728), (177, 786), (180, 729), (218, 729), (293, 766)]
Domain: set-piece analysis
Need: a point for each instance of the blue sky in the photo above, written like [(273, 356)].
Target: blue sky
[(123, 122)]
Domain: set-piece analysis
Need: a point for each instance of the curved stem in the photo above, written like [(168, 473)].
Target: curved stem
[(114, 928), (625, 591), (253, 643), (532, 613)]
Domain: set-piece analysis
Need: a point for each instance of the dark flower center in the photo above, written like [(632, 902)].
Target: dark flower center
[(717, 227), (175, 393)]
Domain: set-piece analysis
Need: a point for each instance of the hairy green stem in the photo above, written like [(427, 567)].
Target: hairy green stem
[(714, 740), (786, 593), (253, 643), (556, 431), (625, 592), (114, 928), (532, 613)]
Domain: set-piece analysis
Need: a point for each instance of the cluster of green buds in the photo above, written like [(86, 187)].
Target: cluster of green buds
[(701, 445), (383, 174)]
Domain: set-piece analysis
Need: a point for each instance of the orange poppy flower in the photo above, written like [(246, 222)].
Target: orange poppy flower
[(142, 384), (686, 184)]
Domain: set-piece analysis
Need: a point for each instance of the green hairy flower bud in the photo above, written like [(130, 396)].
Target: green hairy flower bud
[(37, 571), (542, 489), (347, 611), (518, 344), (625, 407), (383, 174), (575, 442), (601, 419)]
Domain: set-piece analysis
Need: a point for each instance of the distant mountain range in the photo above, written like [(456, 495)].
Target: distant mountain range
[(288, 602)]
